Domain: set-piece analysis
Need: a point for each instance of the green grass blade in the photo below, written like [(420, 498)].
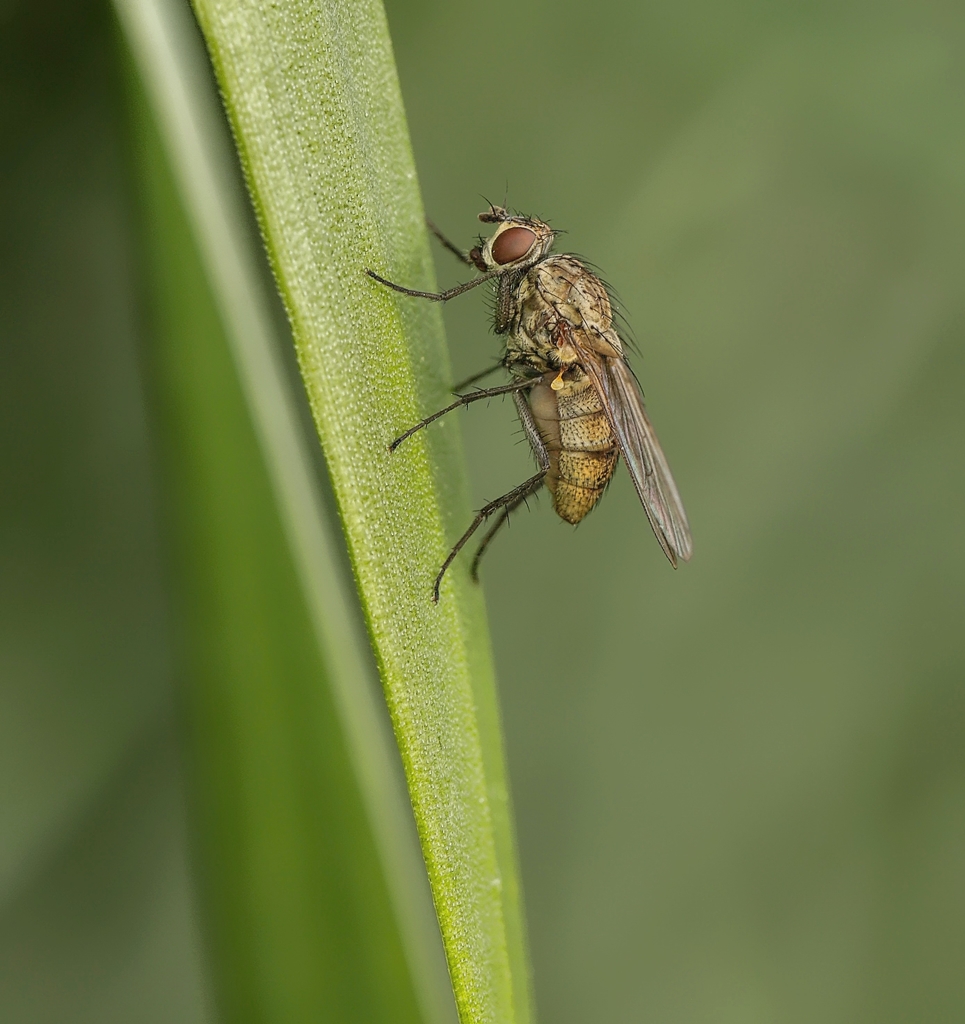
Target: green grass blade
[(175, 71), (313, 98)]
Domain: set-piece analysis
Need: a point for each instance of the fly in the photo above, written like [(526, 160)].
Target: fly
[(578, 401)]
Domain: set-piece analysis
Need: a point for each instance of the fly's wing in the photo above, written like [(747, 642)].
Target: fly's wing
[(623, 403)]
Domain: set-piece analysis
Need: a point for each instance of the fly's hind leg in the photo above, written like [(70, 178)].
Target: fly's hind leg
[(509, 501), (501, 521), (542, 457)]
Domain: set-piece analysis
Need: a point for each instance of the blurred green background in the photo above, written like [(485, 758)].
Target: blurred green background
[(739, 788)]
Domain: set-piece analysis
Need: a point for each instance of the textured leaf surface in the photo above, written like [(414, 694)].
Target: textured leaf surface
[(313, 99)]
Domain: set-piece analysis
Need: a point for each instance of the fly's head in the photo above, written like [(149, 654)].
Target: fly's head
[(517, 243)]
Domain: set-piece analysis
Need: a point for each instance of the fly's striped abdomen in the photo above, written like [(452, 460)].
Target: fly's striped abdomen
[(581, 445)]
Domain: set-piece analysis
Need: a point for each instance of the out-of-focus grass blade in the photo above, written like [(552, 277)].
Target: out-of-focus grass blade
[(256, 613)]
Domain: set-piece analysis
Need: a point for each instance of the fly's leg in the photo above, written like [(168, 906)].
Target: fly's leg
[(463, 257), (505, 389), (501, 521), (445, 296), (509, 501), (542, 458), (471, 259), (512, 498), (478, 376)]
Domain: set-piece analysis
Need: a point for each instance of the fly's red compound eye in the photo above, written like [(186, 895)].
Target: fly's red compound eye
[(512, 245)]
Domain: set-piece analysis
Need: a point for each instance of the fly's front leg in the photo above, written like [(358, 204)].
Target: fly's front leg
[(463, 257), (445, 296), (462, 400), (509, 501)]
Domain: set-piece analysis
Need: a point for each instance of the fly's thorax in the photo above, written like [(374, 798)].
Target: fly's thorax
[(560, 302), (575, 293), (530, 342)]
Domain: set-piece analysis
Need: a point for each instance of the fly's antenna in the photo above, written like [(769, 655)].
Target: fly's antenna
[(496, 215)]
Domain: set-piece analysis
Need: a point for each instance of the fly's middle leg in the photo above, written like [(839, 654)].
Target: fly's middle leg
[(504, 389), (456, 388)]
